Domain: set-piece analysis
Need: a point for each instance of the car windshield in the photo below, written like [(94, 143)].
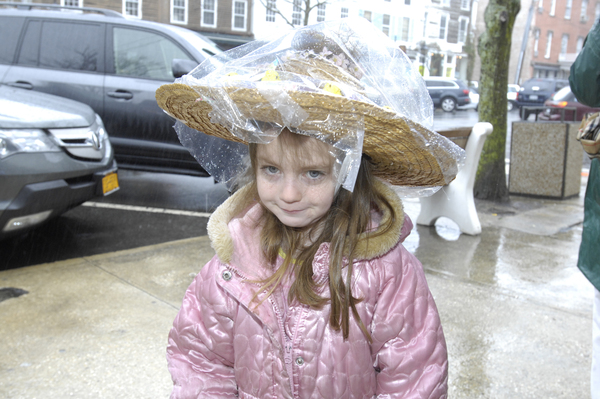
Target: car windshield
[(207, 46), (539, 85), (564, 94)]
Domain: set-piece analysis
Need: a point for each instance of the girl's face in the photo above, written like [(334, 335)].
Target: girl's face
[(295, 179)]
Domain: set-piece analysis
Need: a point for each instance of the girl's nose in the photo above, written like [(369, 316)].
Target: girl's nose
[(291, 191)]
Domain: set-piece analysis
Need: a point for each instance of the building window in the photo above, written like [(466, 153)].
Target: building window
[(132, 8), (367, 15), (579, 43), (321, 12), (405, 35), (446, 3), (443, 26), (568, 9), (564, 43), (597, 14), (71, 3), (584, 5), (437, 25), (548, 44), (297, 13), (536, 42), (553, 8), (238, 20), (209, 13), (407, 2), (541, 6), (464, 4), (179, 11), (385, 26), (462, 29), (344, 13), (271, 7)]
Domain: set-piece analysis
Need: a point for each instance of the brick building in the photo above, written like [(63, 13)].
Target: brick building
[(546, 37)]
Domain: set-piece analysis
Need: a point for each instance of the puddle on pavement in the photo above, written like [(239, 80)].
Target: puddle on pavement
[(11, 292)]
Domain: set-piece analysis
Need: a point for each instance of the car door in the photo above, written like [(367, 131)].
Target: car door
[(139, 61), (63, 58), (435, 91)]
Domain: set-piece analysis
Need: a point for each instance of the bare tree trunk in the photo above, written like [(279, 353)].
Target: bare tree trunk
[(494, 50)]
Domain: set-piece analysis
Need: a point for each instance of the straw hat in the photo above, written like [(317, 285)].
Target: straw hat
[(319, 97)]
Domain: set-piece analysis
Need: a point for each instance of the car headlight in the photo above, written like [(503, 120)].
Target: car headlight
[(13, 141)]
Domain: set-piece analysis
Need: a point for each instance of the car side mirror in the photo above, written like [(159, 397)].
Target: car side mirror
[(182, 67)]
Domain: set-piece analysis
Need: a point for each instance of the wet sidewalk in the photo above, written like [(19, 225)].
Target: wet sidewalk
[(515, 309)]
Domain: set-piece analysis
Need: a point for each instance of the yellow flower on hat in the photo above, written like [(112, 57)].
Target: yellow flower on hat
[(331, 88), (270, 76)]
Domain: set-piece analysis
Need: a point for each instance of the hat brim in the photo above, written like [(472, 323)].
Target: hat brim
[(403, 152)]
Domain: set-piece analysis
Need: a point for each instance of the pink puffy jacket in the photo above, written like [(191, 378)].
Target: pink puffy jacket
[(223, 346)]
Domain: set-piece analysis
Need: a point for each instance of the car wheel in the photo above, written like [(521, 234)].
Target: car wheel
[(510, 106), (524, 114), (448, 104)]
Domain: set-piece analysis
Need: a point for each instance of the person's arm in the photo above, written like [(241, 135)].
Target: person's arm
[(200, 350), (585, 71), (409, 348)]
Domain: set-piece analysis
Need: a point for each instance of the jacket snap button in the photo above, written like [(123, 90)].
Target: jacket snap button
[(227, 275), (299, 361)]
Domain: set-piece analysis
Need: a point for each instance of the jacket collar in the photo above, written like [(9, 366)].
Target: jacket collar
[(369, 246)]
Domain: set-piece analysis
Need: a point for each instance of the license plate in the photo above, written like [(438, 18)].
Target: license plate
[(533, 97), (110, 183)]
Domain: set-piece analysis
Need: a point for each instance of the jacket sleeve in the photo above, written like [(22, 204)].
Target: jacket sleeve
[(585, 71), (200, 350), (408, 346)]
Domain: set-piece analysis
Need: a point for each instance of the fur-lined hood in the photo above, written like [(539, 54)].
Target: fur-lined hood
[(222, 241)]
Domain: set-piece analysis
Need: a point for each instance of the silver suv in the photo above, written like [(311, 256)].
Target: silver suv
[(111, 63), (54, 155)]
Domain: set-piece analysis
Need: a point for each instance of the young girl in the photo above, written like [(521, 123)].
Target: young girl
[(311, 293)]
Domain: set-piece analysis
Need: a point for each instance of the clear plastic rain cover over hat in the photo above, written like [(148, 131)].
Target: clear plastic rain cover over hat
[(258, 89)]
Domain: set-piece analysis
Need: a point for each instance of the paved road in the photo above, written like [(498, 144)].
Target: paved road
[(150, 208)]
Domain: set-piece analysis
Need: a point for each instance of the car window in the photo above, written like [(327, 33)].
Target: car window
[(144, 54), (539, 85), (10, 29), (439, 83), (61, 45)]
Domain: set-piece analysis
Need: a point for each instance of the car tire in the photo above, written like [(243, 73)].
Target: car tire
[(524, 114), (448, 104), (510, 106)]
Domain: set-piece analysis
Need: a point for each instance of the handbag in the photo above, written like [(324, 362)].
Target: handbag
[(589, 135)]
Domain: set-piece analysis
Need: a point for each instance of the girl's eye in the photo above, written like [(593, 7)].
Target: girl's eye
[(271, 170), (314, 174)]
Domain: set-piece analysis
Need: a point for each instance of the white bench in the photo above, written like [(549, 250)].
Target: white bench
[(455, 201)]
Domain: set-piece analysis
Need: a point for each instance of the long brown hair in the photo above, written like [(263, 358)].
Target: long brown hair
[(341, 226)]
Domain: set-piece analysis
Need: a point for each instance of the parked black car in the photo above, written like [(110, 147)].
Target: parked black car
[(111, 63), (447, 93), (54, 155), (534, 92)]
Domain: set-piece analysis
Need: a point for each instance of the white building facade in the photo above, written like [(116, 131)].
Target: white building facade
[(431, 32)]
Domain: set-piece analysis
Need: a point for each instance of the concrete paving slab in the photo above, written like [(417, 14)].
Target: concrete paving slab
[(546, 221), (81, 332)]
